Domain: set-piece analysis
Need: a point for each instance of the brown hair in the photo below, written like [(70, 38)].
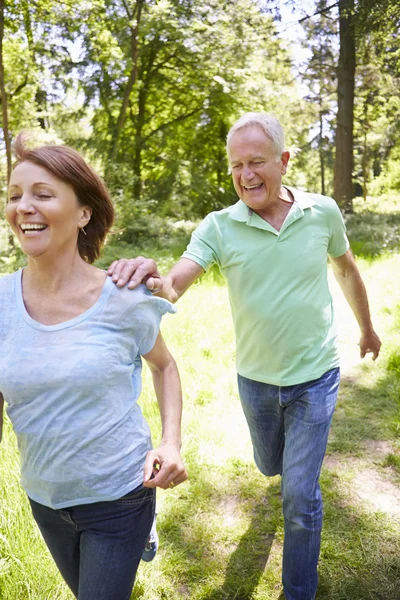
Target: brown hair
[(69, 166)]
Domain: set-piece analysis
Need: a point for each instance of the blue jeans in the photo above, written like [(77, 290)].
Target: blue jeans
[(97, 547), (289, 428)]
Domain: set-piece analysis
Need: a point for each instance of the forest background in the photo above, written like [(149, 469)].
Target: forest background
[(148, 90)]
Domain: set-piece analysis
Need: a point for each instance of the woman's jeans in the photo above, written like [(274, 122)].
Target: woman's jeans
[(97, 547), (289, 428)]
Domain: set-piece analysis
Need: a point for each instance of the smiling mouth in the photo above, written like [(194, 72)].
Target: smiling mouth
[(251, 188), (32, 228)]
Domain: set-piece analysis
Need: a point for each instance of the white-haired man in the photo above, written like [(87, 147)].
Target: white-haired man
[(272, 247)]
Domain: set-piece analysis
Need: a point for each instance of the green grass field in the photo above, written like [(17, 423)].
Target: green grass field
[(222, 531)]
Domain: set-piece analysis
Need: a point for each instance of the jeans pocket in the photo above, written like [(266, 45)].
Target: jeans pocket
[(136, 496)]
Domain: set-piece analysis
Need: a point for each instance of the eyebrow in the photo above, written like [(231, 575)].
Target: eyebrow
[(15, 185), (234, 162)]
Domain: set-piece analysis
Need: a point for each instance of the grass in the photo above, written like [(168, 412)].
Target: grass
[(222, 531)]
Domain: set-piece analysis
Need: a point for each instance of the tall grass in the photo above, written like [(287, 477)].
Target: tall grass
[(222, 531)]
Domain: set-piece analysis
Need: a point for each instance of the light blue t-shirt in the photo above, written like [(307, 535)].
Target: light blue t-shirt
[(72, 391)]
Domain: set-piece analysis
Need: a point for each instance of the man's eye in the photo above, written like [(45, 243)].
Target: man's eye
[(236, 167)]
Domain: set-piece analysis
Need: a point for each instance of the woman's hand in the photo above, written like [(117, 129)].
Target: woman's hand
[(164, 467)]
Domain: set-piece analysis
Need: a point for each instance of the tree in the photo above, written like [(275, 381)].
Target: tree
[(3, 95), (319, 73), (343, 176)]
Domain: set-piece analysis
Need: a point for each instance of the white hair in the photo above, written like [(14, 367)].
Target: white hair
[(269, 124)]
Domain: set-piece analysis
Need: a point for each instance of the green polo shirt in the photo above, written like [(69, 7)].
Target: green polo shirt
[(278, 289)]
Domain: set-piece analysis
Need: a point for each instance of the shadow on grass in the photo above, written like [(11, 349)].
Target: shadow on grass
[(360, 557), (365, 413), (203, 529), (360, 554), (247, 563)]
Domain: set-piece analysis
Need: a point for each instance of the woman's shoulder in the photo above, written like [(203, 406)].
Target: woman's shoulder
[(140, 298), (7, 282)]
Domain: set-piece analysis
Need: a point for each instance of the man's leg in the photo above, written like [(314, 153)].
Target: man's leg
[(308, 410), (265, 418)]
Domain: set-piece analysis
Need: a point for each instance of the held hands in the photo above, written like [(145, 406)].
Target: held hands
[(166, 466), (370, 342), (135, 271)]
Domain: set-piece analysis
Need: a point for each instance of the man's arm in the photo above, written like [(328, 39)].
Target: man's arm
[(144, 270), (349, 279), (1, 415), (164, 462)]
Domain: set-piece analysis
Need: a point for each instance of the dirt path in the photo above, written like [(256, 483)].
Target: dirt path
[(365, 481)]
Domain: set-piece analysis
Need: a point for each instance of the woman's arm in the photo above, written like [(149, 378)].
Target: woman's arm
[(1, 414), (165, 462)]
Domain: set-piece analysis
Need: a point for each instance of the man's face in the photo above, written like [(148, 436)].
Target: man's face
[(256, 169)]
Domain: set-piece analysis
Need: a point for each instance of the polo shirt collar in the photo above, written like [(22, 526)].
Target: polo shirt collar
[(241, 212), (303, 200)]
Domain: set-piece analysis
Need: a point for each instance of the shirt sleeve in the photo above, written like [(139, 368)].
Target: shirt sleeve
[(204, 244), (338, 242), (148, 314)]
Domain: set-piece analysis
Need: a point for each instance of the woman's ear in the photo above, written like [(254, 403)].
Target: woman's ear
[(85, 216)]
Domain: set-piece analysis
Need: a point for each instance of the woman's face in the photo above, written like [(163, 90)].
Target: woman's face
[(43, 211)]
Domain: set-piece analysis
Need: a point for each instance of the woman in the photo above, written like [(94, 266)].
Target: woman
[(70, 372)]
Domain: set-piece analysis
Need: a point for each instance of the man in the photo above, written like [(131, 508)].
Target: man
[(272, 247)]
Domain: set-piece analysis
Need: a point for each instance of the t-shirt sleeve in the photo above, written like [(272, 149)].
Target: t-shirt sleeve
[(203, 247), (338, 242), (148, 314)]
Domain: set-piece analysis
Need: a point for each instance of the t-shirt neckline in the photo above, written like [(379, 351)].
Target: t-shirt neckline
[(101, 300)]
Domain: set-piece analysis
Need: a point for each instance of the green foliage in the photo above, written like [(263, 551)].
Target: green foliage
[(227, 519), (374, 228), (394, 360)]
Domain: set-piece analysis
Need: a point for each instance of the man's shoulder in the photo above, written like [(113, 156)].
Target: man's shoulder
[(321, 200), (234, 212)]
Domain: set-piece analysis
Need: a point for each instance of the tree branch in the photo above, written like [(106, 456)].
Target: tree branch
[(319, 12)]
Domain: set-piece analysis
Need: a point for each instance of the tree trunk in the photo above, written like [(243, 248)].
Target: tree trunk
[(3, 94), (321, 150), (137, 161), (130, 83), (343, 182)]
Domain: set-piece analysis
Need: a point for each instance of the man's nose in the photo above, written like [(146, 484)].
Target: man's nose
[(247, 173)]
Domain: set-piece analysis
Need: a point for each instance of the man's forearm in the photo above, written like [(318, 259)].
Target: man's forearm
[(179, 279), (356, 295)]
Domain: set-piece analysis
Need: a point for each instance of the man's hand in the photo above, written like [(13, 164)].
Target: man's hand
[(166, 466), (134, 271), (370, 343)]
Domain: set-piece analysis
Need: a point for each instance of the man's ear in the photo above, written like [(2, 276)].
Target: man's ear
[(284, 161)]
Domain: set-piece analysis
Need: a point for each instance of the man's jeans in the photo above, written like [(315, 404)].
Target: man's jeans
[(97, 547), (289, 429)]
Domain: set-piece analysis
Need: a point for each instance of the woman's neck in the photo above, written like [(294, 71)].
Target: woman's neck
[(52, 275)]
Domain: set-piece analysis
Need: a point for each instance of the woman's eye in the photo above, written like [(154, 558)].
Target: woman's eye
[(44, 196), (13, 198)]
